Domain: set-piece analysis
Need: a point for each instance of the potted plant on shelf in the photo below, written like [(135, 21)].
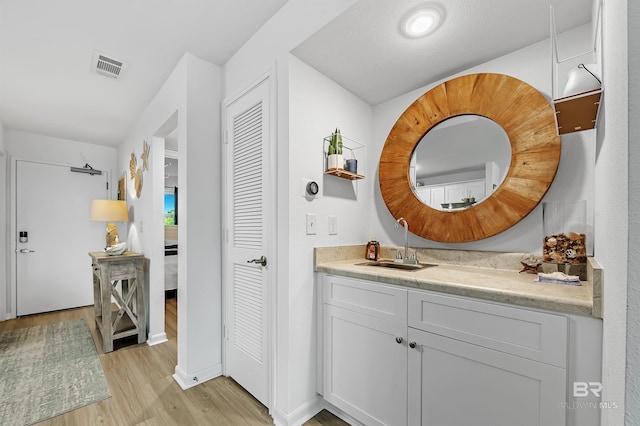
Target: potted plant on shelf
[(335, 159)]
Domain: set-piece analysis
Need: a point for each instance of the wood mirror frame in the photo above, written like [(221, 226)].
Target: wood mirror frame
[(527, 118)]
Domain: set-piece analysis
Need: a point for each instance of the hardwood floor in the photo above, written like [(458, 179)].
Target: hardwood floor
[(144, 392)]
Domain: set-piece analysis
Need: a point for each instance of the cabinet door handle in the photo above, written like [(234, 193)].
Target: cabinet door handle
[(399, 339), (412, 345)]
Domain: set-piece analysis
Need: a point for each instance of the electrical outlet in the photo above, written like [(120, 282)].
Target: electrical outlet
[(312, 223), (333, 225)]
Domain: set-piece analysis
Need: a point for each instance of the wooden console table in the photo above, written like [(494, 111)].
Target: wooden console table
[(122, 277)]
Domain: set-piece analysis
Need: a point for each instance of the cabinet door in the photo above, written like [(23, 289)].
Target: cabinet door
[(476, 189), (454, 193), (453, 383), (437, 197), (365, 369), (424, 194)]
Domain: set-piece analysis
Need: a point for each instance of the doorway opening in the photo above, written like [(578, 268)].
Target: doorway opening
[(171, 219)]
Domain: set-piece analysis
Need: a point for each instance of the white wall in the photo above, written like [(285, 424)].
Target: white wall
[(3, 144), (633, 269), (268, 50), (31, 146), (22, 145), (613, 207), (190, 98), (317, 106), (4, 245), (574, 179)]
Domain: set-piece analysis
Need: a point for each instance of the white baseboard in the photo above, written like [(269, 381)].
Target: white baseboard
[(300, 415), (341, 414), (187, 381), (156, 339)]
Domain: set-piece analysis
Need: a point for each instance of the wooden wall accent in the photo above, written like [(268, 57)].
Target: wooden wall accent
[(527, 118)]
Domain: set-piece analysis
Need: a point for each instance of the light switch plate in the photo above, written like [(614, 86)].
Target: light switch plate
[(333, 225), (312, 223)]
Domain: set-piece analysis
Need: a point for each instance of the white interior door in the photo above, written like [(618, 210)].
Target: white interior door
[(53, 206), (246, 281)]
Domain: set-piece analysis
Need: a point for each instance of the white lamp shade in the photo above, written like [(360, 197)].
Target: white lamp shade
[(109, 211)]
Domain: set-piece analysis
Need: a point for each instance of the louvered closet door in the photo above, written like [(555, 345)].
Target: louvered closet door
[(247, 127)]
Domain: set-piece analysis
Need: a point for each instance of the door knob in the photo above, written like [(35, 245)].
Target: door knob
[(262, 261), (412, 345), (399, 339), (27, 251)]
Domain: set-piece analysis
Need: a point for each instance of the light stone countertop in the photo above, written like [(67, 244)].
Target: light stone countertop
[(457, 278)]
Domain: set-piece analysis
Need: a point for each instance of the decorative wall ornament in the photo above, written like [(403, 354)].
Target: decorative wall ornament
[(132, 166), (135, 171), (145, 155), (138, 183)]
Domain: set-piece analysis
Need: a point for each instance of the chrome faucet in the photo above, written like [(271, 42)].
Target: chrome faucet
[(402, 221)]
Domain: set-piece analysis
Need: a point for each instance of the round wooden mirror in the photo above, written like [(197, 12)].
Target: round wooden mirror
[(527, 118)]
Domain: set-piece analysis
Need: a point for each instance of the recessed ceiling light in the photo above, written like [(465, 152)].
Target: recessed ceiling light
[(422, 20)]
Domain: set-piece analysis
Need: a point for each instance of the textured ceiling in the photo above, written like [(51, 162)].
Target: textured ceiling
[(46, 85), (363, 51), (46, 46)]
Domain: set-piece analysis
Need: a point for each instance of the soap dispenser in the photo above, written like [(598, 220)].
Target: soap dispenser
[(373, 249)]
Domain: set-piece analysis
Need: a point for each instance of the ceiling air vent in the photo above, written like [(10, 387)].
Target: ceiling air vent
[(107, 66)]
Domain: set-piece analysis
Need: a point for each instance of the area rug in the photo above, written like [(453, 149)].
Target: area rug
[(48, 370)]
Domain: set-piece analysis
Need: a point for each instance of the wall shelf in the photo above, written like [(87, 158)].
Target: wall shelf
[(343, 174), (579, 111), (351, 149)]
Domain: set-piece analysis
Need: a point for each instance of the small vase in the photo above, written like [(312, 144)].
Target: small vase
[(335, 161)]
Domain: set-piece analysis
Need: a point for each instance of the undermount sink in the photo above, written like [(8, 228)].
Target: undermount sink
[(397, 265)]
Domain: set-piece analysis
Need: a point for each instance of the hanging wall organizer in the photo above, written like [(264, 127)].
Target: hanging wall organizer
[(577, 109)]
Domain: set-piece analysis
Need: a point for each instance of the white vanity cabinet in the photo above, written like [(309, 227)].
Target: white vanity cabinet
[(479, 363), (399, 356), (365, 355)]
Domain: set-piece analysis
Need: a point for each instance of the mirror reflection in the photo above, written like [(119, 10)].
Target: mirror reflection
[(460, 162)]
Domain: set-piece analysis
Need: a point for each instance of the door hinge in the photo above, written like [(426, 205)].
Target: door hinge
[(107, 186), (225, 332), (226, 137)]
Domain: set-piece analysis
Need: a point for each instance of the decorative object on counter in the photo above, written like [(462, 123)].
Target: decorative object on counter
[(530, 263), (117, 249), (564, 224), (558, 278), (373, 249), (335, 159)]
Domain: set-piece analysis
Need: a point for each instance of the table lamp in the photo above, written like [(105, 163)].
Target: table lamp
[(110, 211)]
